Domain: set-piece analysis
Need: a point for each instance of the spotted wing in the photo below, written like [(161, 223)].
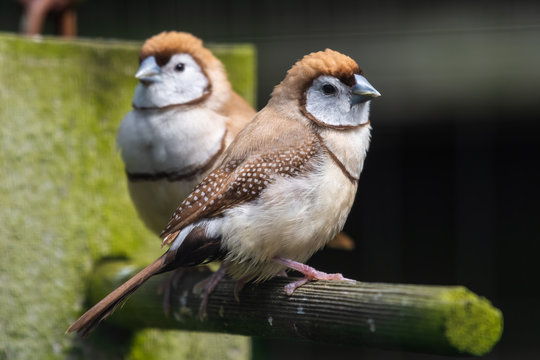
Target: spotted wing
[(236, 182)]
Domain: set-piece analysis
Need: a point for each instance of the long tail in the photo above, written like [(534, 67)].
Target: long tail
[(90, 319)]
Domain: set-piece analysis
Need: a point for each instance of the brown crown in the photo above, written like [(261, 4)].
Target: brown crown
[(167, 44), (311, 66)]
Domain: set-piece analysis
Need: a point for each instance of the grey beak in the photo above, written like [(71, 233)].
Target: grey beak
[(149, 71), (362, 91)]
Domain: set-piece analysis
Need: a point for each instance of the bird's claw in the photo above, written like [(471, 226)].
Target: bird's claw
[(310, 274)]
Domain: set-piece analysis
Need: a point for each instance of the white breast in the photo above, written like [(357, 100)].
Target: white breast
[(153, 141), (349, 146), (166, 141), (293, 218)]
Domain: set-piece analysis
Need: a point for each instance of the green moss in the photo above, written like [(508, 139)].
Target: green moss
[(473, 326), (62, 185), (154, 345)]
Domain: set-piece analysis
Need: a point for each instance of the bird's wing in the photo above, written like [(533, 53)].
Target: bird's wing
[(239, 181)]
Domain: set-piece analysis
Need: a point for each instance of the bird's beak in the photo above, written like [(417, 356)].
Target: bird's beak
[(149, 71), (362, 91)]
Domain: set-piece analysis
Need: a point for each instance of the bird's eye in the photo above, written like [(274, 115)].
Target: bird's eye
[(328, 89), (179, 67)]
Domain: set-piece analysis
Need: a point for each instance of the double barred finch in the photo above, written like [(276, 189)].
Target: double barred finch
[(282, 190), (184, 115)]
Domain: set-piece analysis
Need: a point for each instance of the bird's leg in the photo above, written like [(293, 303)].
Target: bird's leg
[(238, 287), (309, 273), (171, 284), (167, 286), (207, 286)]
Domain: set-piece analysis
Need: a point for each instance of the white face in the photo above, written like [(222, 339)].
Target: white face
[(329, 101), (180, 81)]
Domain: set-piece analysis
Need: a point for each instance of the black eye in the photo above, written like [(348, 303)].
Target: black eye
[(179, 67), (328, 89)]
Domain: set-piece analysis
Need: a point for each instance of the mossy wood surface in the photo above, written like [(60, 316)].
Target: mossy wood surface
[(63, 197), (447, 320)]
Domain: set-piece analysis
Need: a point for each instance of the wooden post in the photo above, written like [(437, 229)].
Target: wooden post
[(448, 320)]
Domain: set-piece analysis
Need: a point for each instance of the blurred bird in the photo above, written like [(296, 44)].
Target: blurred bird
[(283, 189), (184, 115)]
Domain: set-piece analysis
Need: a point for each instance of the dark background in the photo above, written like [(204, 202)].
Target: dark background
[(450, 189)]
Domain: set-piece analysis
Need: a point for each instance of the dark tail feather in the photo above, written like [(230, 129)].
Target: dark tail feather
[(90, 319)]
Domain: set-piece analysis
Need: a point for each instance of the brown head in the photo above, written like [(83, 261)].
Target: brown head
[(311, 66), (168, 43)]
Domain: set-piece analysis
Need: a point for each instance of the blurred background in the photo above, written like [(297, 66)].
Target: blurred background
[(450, 190)]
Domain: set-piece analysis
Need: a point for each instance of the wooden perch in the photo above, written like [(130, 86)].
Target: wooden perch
[(448, 320)]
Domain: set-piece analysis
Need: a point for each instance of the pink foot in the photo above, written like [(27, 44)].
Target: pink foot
[(208, 285), (290, 287), (310, 274)]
